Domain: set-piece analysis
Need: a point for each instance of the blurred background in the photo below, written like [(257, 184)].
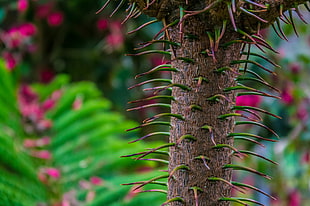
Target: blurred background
[(63, 101)]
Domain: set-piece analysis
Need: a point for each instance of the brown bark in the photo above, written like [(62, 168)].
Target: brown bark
[(184, 153), (192, 179)]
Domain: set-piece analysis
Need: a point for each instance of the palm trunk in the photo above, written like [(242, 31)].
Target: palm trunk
[(198, 109)]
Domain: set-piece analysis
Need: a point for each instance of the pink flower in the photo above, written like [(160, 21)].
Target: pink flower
[(56, 95), (102, 24), (27, 29), (43, 141), (22, 5), (26, 94), (115, 40), (42, 154), (46, 75), (36, 142), (44, 124), (53, 172), (12, 38), (96, 180), (294, 198), (77, 104), (10, 60), (305, 158), (302, 113), (287, 96), (55, 19), (295, 68), (48, 104), (248, 100), (30, 143)]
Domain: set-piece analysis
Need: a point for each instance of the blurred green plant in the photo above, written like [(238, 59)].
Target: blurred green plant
[(64, 147)]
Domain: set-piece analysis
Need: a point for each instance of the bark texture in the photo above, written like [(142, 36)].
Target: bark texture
[(194, 161), (183, 183)]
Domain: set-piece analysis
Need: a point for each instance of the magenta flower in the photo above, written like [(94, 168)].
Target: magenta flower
[(102, 24), (12, 38), (43, 141), (53, 172), (42, 11), (30, 143), (27, 29), (44, 124), (305, 158), (287, 95), (294, 198), (295, 68), (96, 180), (115, 40), (55, 19), (22, 5), (48, 104), (46, 75), (302, 113), (77, 104), (10, 60)]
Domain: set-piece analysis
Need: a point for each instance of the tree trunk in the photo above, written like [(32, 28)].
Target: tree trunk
[(198, 111), (203, 146)]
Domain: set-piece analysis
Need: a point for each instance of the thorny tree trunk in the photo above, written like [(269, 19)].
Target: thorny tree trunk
[(194, 160), (185, 183), (201, 159)]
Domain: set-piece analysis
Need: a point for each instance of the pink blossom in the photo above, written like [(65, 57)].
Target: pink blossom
[(295, 68), (44, 124), (42, 177), (10, 60), (302, 113), (53, 172), (248, 100), (305, 158), (27, 29), (12, 38), (30, 143), (294, 198), (43, 141), (55, 19), (48, 104), (96, 180), (77, 104), (65, 203), (46, 75), (287, 96), (22, 5), (90, 196), (115, 40), (26, 94), (85, 184), (42, 154), (56, 95), (102, 24)]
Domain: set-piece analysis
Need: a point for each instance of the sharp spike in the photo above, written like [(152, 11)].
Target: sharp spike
[(239, 167)]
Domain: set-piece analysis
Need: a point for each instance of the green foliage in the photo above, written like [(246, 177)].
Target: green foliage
[(86, 142)]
